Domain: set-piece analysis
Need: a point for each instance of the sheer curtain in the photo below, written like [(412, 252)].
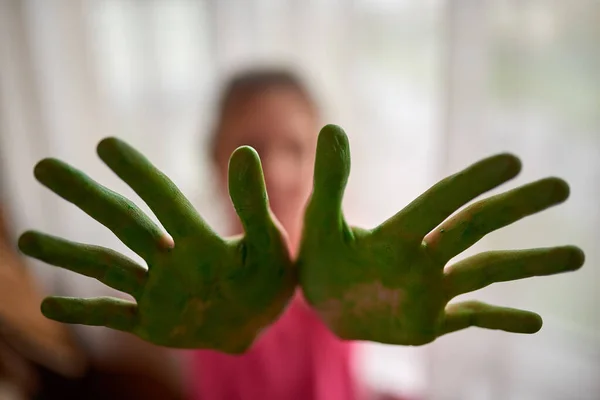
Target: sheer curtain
[(523, 77), (422, 89)]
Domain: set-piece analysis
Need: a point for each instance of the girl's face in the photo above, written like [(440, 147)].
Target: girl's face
[(283, 129)]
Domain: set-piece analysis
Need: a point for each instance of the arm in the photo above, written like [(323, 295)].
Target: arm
[(22, 326)]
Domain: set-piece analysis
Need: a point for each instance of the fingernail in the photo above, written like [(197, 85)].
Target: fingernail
[(166, 242)]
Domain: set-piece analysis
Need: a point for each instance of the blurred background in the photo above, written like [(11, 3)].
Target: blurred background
[(423, 88)]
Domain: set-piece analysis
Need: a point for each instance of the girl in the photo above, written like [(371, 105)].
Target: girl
[(297, 358)]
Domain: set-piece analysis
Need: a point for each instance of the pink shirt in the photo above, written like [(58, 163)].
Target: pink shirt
[(296, 359)]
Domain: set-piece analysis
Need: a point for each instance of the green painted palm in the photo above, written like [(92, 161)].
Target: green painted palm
[(389, 284), (204, 291)]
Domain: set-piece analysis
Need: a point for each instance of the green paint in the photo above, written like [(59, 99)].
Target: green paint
[(388, 284), (206, 291)]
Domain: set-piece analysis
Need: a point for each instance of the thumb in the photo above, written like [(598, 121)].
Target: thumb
[(332, 168), (247, 190)]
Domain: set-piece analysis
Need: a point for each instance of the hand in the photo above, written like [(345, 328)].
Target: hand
[(389, 284), (199, 290)]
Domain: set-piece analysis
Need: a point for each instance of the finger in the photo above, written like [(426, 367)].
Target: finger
[(134, 228), (470, 225), (100, 311), (484, 269), (473, 313), (448, 195), (108, 266), (332, 169), (248, 191), (170, 206)]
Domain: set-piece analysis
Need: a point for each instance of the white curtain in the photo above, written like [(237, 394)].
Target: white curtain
[(423, 88), (523, 76)]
